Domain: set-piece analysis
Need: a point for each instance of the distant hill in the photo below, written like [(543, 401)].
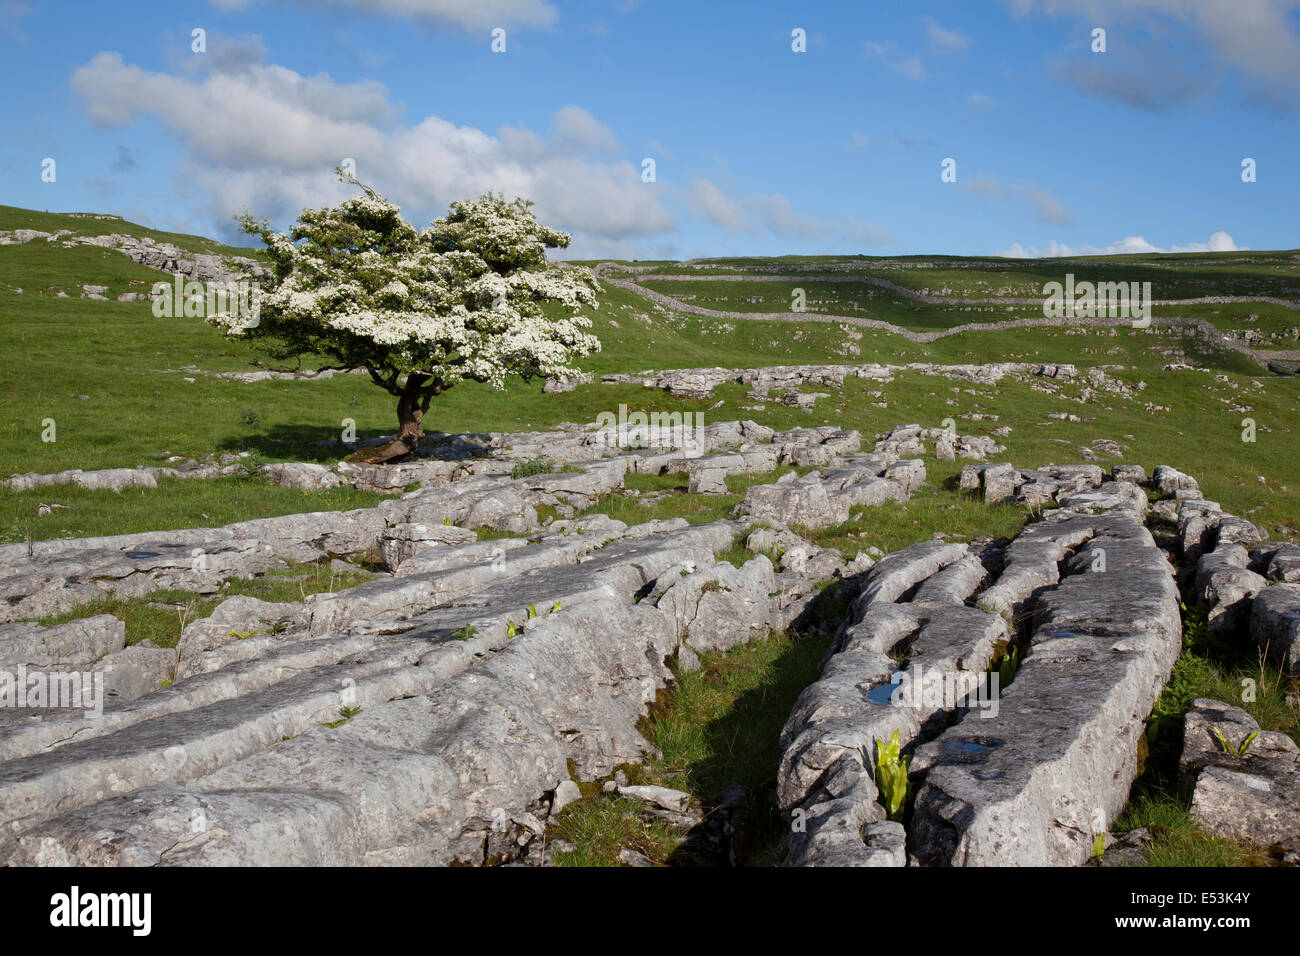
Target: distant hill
[(99, 224)]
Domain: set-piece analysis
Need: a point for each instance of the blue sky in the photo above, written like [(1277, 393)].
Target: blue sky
[(758, 149)]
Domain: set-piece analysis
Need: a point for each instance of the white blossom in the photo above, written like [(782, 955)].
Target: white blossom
[(472, 296)]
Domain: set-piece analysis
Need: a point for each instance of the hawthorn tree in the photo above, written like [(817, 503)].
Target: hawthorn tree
[(421, 309)]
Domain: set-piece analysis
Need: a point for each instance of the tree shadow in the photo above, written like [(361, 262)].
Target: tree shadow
[(322, 443)]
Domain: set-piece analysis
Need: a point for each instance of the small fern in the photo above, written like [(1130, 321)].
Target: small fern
[(1240, 749), (891, 776)]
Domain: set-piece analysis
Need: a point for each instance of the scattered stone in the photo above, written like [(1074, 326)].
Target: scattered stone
[(566, 792)]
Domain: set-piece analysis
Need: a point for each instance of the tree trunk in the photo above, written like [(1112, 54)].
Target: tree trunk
[(410, 422)]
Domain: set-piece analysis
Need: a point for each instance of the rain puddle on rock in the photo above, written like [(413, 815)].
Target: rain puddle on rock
[(967, 750), (883, 694)]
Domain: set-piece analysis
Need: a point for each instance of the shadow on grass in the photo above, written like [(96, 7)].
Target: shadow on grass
[(742, 745), (322, 444), (744, 748)]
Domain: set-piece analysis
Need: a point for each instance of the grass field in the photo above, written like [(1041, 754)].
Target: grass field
[(1172, 276), (122, 385)]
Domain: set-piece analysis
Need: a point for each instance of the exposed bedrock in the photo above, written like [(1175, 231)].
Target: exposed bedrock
[(1033, 785), (821, 499), (1275, 625), (895, 666), (390, 723)]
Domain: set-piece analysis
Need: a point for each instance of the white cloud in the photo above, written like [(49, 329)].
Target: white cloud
[(463, 14), (911, 69), (773, 215), (1258, 38), (226, 54), (780, 218), (943, 40), (263, 138), (707, 200), (575, 126), (978, 100), (1129, 245), (267, 139), (11, 19), (1043, 202), (659, 149)]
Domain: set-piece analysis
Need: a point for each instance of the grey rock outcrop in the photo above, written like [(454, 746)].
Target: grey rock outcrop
[(1254, 796), (1105, 639), (413, 726), (831, 740), (1275, 625)]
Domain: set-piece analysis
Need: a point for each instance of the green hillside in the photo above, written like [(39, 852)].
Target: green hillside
[(125, 388)]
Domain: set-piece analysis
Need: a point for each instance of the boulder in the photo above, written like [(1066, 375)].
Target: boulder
[(1250, 796), (1275, 625), (302, 475)]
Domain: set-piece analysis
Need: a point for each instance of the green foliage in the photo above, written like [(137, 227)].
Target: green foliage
[(160, 616), (1217, 669), (1240, 749), (1176, 839), (532, 466), (719, 725), (891, 776), (137, 405), (1008, 664), (175, 503), (345, 714), (465, 633)]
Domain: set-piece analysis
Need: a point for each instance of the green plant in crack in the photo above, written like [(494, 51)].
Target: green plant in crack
[(1098, 845), (891, 775), (1240, 749), (1008, 664), (345, 714)]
